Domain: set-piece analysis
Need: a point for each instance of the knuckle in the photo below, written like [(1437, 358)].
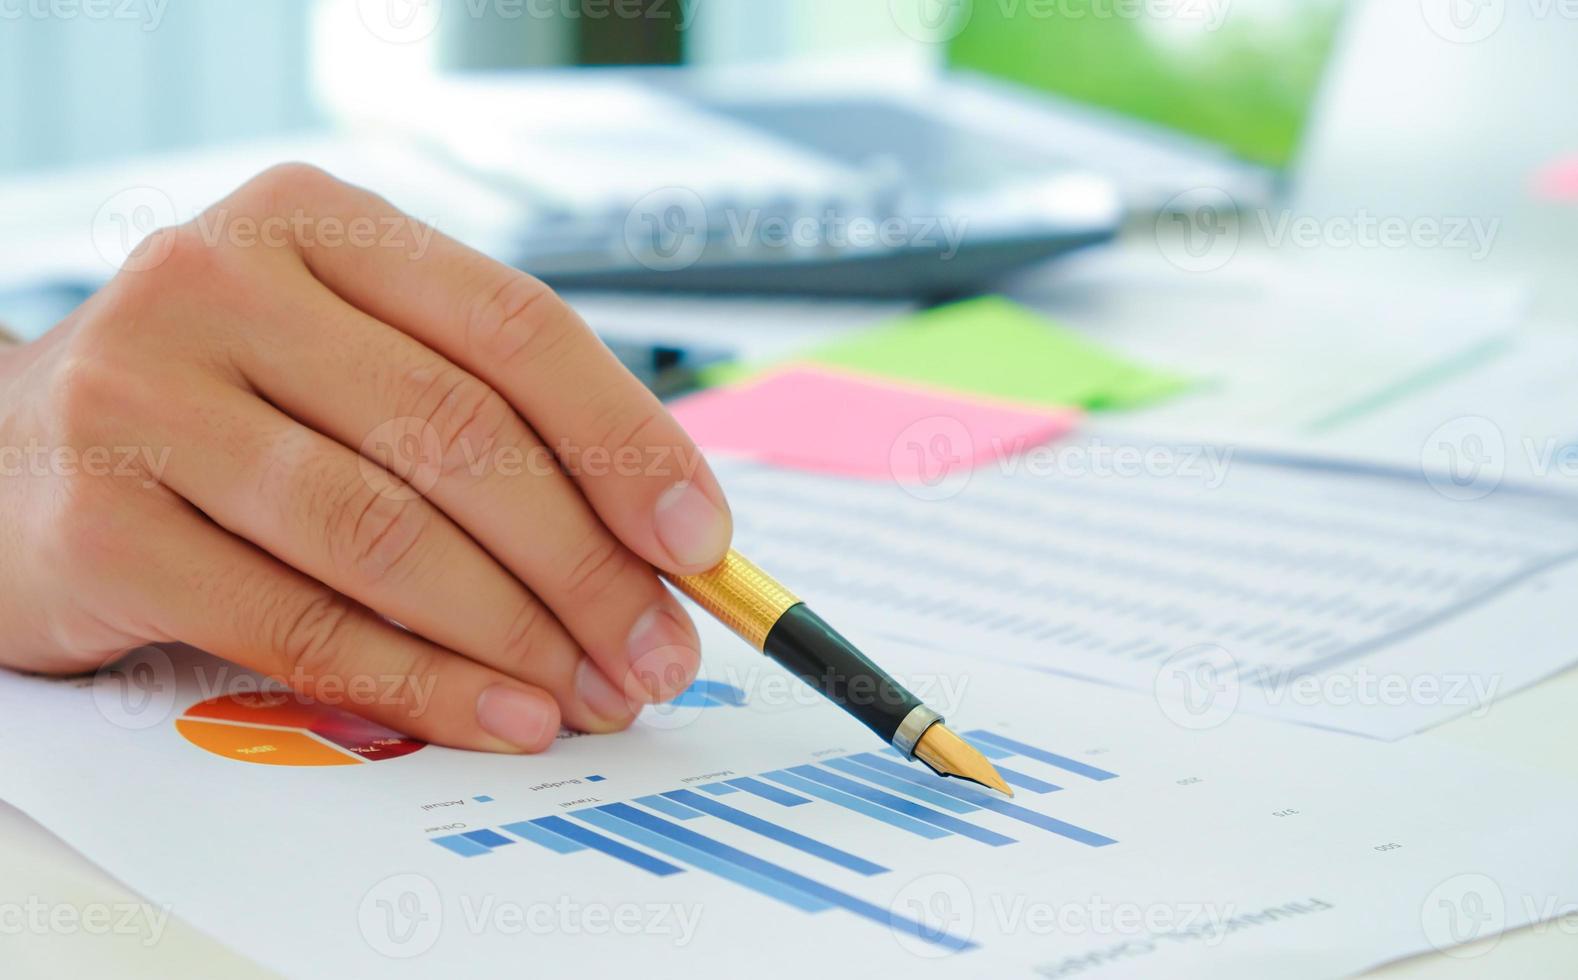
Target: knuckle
[(521, 319), (466, 417), (408, 710), (617, 420), (311, 634), (80, 536), (600, 566), (173, 260), (185, 258), (523, 636), (291, 465), (86, 391), (186, 251), (287, 185), (375, 535)]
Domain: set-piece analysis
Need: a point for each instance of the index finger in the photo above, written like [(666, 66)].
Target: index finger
[(636, 466)]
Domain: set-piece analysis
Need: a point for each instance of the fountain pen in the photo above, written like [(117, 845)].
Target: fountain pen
[(770, 618)]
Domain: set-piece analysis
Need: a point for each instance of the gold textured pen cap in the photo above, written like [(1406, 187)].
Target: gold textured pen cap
[(741, 596)]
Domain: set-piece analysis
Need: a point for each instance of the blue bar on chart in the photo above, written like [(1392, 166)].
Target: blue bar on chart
[(669, 807), (1040, 755), (1019, 780), (487, 838), (612, 848), (544, 838), (907, 807), (768, 791), (711, 858), (899, 820), (990, 802), (926, 795), (877, 785), (991, 751), (790, 882), (461, 845), (782, 835)]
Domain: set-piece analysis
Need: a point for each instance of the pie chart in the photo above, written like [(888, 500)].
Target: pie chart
[(279, 728)]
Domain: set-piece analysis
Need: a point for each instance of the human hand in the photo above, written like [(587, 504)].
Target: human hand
[(275, 439)]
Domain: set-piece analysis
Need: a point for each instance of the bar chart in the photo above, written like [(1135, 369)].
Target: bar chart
[(667, 833)]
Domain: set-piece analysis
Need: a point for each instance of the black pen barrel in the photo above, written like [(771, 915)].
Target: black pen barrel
[(816, 653), (773, 620)]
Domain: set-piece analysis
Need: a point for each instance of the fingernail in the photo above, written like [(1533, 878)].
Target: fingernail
[(694, 530), (600, 695), (524, 720), (664, 652)]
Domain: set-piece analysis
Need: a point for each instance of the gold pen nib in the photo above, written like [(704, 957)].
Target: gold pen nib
[(950, 755)]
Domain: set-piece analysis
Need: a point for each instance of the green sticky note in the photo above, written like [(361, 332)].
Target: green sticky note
[(992, 346)]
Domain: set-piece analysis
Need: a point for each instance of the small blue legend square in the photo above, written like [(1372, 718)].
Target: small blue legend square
[(594, 779), (483, 799)]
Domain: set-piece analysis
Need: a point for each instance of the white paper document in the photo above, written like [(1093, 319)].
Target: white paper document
[(1368, 600), (753, 829)]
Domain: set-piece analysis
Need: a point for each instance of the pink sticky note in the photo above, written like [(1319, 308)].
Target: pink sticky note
[(851, 425), (1558, 181)]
